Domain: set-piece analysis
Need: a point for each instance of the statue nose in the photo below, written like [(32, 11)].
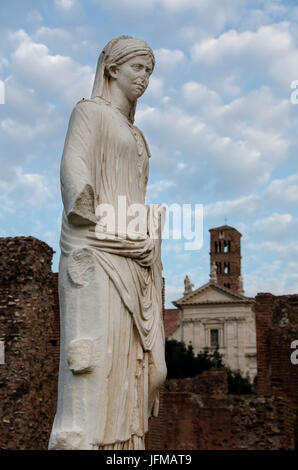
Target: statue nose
[(143, 73)]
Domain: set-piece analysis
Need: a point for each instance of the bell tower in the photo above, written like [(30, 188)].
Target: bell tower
[(225, 258)]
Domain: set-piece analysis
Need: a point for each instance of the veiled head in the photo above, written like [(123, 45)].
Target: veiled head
[(119, 51)]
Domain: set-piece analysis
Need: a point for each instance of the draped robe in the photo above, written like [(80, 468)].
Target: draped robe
[(110, 289)]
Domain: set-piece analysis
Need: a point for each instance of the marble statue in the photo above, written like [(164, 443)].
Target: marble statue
[(110, 283), (187, 285), (240, 286), (213, 273)]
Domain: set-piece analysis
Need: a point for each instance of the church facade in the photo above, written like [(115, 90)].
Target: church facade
[(218, 315)]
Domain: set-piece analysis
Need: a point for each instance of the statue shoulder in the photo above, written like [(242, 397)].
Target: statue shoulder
[(91, 106), (91, 101)]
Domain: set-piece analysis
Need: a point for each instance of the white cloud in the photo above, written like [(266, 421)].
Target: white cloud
[(58, 75), (46, 34), (172, 293), (77, 42), (24, 102), (154, 189), (3, 63), (265, 282), (50, 238), (274, 219), (34, 16), (283, 190), (213, 15), (239, 160), (23, 131), (201, 97), (275, 276), (210, 6), (66, 5), (2, 92), (277, 226), (26, 188), (124, 6), (155, 88), (170, 246), (268, 53), (19, 132), (244, 205), (28, 117), (275, 248), (259, 109), (168, 59)]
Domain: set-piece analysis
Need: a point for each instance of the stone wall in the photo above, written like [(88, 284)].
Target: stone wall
[(171, 317), (27, 327), (277, 328), (221, 235), (198, 414)]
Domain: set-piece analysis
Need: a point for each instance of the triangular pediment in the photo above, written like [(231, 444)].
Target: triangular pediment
[(211, 293)]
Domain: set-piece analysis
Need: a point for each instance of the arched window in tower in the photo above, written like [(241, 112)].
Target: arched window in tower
[(218, 267), (217, 246), (227, 268), (227, 246)]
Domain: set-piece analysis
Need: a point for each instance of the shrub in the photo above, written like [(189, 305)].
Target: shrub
[(182, 362)]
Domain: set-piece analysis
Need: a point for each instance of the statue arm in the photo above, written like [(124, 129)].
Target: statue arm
[(76, 178)]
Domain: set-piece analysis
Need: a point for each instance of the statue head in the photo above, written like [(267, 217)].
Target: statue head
[(118, 52)]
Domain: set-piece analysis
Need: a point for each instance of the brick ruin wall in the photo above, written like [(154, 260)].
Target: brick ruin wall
[(171, 317), (277, 328), (27, 327), (198, 414)]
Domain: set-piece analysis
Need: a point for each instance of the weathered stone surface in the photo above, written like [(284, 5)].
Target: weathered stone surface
[(277, 328), (213, 382), (28, 377), (202, 421), (81, 355), (110, 271)]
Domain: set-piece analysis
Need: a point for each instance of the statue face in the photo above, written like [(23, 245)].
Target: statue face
[(132, 77)]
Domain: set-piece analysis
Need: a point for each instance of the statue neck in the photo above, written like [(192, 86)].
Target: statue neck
[(119, 100)]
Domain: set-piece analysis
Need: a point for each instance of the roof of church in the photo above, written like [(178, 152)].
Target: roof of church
[(232, 297)]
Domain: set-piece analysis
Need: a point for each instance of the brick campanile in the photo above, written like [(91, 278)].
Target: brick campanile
[(225, 257)]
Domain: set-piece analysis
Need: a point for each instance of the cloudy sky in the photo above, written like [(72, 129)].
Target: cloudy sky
[(218, 118)]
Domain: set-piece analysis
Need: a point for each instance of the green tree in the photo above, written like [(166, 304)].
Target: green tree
[(182, 362)]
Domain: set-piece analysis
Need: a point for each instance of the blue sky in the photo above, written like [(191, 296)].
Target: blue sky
[(217, 116)]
